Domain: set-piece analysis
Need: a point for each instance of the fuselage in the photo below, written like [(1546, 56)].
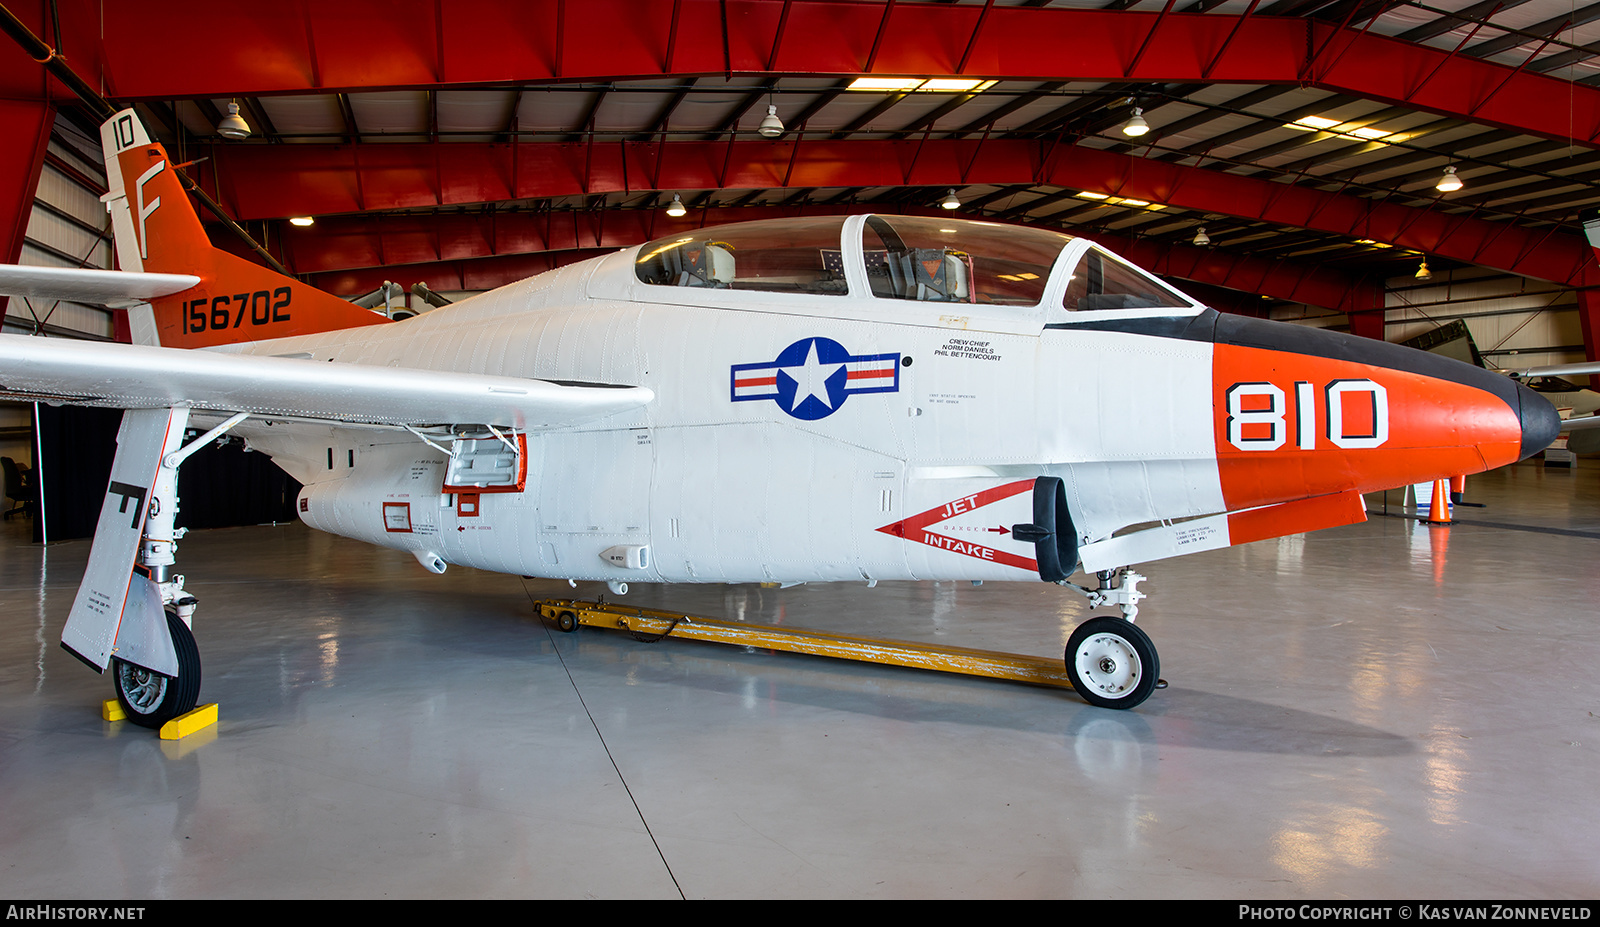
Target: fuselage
[(833, 412)]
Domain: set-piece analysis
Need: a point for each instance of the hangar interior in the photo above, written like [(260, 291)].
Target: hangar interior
[(1385, 709)]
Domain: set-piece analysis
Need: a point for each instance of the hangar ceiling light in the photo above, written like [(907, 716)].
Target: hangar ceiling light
[(771, 126), (1331, 126), (1122, 201), (919, 84), (233, 125)]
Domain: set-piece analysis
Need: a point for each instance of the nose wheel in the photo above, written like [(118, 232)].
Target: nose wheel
[(1112, 663)]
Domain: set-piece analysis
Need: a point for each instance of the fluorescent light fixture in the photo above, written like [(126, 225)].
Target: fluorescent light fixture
[(1314, 123), (883, 84), (919, 84), (302, 221), (954, 85), (1122, 201), (676, 207), (1324, 124), (1449, 183)]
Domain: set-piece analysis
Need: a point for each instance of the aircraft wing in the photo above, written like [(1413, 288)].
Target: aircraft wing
[(126, 376), (96, 287), (1581, 424), (1555, 370)]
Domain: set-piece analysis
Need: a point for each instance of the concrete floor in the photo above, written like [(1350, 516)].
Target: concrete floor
[(1377, 711)]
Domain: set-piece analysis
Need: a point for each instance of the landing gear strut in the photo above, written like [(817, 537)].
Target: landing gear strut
[(149, 698), (1110, 661)]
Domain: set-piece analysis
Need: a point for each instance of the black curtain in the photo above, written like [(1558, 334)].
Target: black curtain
[(217, 487)]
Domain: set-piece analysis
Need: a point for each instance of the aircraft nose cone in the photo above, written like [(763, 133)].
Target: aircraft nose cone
[(1540, 421)]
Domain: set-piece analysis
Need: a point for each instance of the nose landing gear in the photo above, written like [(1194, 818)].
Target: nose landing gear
[(1110, 661)]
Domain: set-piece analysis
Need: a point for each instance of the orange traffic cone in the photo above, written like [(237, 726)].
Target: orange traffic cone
[(1439, 508)]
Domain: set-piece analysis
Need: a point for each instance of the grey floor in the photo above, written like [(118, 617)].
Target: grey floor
[(1383, 710)]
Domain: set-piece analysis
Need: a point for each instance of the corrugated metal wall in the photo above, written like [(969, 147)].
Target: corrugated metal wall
[(67, 228), (1515, 321)]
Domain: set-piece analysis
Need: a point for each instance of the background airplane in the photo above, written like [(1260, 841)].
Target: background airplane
[(812, 400)]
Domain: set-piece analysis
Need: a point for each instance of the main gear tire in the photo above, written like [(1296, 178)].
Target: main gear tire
[(150, 699)]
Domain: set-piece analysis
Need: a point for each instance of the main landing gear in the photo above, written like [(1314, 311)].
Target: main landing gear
[(150, 698), (1110, 661)]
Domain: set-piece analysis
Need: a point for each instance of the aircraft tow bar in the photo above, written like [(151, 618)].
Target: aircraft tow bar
[(568, 614)]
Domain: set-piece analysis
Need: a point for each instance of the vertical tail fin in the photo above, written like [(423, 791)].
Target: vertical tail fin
[(157, 231)]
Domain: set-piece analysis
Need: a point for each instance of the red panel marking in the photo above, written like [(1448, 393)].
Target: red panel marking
[(1296, 517), (397, 517)]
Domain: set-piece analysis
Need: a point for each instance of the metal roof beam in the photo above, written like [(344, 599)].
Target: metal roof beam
[(480, 43), (263, 182)]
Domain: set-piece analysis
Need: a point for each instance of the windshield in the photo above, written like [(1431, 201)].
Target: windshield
[(1102, 281), (1552, 385)]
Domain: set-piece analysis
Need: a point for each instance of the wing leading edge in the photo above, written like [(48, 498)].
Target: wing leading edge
[(138, 377)]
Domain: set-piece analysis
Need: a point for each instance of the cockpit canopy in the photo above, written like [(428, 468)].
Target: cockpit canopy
[(913, 258)]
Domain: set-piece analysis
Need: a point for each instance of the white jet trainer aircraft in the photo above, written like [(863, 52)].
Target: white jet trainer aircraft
[(833, 399)]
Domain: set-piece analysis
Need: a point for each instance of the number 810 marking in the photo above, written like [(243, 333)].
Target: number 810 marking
[(1270, 429)]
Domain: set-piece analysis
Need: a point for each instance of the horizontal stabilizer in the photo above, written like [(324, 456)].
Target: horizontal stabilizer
[(123, 376), (96, 287)]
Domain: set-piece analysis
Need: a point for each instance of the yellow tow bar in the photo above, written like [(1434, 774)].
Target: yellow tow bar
[(569, 614)]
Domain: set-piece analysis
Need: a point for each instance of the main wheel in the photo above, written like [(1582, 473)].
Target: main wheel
[(1112, 663), (150, 699)]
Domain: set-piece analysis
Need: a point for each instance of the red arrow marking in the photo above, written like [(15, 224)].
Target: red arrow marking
[(914, 528)]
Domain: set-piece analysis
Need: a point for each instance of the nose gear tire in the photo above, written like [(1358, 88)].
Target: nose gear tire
[(1112, 662)]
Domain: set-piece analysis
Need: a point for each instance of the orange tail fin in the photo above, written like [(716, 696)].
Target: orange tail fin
[(157, 230)]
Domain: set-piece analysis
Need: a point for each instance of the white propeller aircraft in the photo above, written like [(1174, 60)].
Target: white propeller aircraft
[(833, 399)]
